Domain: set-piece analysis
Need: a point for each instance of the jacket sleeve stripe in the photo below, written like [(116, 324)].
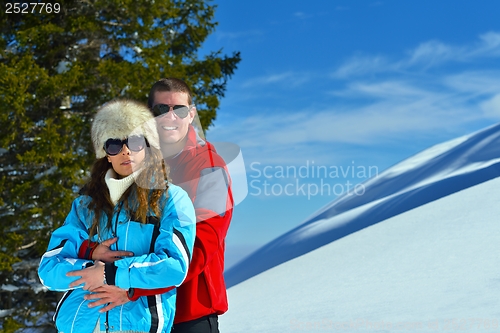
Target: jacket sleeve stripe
[(65, 296), (156, 233), (181, 243), (157, 319), (55, 251), (146, 264)]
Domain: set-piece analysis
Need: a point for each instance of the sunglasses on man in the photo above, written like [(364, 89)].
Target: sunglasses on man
[(135, 143), (180, 111)]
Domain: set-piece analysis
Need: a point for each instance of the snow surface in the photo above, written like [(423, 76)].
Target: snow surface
[(432, 265)]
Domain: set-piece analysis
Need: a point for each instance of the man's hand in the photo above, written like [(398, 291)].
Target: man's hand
[(110, 295), (91, 277), (103, 253)]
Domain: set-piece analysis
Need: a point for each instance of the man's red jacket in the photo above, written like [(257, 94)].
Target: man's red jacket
[(202, 173)]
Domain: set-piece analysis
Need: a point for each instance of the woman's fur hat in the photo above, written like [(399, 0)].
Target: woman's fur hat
[(119, 119)]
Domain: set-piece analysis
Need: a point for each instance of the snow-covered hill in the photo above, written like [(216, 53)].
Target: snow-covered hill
[(434, 173), (433, 264)]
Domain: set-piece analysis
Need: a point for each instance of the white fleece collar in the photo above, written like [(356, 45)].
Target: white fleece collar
[(118, 186)]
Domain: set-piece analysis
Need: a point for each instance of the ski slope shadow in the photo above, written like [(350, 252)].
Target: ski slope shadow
[(429, 175)]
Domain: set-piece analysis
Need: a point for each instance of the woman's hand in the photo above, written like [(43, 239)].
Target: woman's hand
[(91, 277)]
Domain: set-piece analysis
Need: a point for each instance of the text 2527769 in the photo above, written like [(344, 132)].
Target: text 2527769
[(32, 8)]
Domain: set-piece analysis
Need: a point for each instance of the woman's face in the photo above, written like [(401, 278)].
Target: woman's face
[(127, 161)]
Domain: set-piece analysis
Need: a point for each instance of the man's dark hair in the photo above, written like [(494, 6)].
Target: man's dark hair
[(169, 84)]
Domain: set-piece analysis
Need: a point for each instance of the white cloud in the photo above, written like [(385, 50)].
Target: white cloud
[(435, 52), (360, 65), (302, 15), (432, 53), (366, 125), (290, 79), (475, 82), (397, 89), (489, 45), (236, 35), (491, 107), (426, 55)]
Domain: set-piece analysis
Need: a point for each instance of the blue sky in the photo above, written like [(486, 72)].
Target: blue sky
[(345, 89)]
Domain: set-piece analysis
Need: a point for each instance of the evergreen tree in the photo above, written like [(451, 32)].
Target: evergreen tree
[(58, 63)]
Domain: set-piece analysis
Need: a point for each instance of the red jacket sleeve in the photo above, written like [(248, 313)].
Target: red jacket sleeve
[(86, 249)]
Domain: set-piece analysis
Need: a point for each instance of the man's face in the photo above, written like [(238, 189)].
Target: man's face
[(171, 128)]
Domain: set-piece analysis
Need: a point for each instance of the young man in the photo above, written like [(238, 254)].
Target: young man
[(201, 172)]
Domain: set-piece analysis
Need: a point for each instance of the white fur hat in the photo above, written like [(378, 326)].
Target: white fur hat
[(119, 119)]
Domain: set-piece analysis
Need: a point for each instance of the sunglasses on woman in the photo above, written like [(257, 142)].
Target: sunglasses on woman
[(135, 143), (180, 111)]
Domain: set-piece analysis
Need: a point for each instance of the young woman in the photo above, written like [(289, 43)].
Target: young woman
[(129, 199)]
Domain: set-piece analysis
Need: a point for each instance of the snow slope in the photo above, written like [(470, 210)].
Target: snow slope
[(432, 265), (432, 174), (435, 268)]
